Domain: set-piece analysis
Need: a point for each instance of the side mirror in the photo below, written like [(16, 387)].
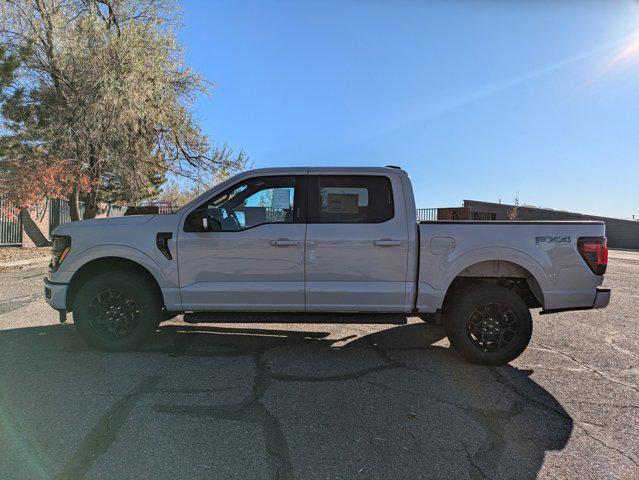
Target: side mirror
[(212, 224), (200, 221)]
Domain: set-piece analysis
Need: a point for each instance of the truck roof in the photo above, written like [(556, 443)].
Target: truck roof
[(328, 169)]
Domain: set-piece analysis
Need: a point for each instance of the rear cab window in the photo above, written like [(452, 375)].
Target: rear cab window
[(350, 199)]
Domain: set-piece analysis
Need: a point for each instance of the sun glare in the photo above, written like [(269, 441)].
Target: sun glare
[(629, 49)]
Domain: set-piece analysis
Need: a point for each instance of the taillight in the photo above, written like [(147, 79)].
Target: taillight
[(595, 252)]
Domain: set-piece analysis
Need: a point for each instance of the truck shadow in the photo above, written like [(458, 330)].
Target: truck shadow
[(393, 404)]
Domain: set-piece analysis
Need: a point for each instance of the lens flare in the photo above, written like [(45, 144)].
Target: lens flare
[(628, 51)]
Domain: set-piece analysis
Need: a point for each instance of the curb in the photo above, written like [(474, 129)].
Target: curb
[(28, 261)]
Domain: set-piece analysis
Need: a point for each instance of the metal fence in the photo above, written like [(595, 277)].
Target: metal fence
[(11, 227), (426, 214), (116, 210), (60, 212), (10, 224)]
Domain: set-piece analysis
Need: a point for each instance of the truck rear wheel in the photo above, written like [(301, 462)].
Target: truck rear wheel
[(117, 311), (488, 324)]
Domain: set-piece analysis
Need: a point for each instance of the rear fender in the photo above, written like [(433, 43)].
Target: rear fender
[(431, 295)]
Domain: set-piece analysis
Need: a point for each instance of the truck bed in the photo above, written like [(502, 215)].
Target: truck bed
[(513, 222), (544, 252)]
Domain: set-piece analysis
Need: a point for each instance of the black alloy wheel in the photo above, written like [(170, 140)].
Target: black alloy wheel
[(492, 327), (117, 310), (113, 314), (487, 323)]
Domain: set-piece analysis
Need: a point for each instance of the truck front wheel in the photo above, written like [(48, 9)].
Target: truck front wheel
[(488, 324), (116, 311)]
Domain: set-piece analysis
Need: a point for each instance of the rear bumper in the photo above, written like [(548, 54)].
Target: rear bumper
[(602, 299), (55, 294)]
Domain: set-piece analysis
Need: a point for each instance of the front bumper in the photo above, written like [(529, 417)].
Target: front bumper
[(55, 294)]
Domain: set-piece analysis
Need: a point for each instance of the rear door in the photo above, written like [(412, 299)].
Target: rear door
[(356, 243)]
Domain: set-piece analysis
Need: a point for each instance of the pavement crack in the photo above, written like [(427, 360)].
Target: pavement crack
[(104, 432), (493, 422), (607, 445), (600, 404), (477, 473), (597, 372), (253, 412), (10, 305), (250, 410), (529, 399), (381, 352), (390, 389), (335, 378)]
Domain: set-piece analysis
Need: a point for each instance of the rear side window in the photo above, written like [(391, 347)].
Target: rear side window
[(350, 199)]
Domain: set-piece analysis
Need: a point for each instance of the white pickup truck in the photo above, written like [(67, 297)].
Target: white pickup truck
[(291, 243)]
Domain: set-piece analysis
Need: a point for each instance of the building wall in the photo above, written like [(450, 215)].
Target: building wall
[(455, 213), (621, 233), (37, 221), (35, 225)]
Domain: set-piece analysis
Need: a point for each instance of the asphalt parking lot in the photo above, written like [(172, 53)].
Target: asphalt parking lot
[(319, 401)]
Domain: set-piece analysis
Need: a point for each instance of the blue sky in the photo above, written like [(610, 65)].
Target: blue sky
[(480, 100)]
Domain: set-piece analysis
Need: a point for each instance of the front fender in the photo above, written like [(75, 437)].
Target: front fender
[(74, 262), (165, 274)]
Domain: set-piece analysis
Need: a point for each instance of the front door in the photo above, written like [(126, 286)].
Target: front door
[(254, 257), (356, 244)]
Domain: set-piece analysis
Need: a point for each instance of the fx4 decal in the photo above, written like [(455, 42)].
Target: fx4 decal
[(565, 240)]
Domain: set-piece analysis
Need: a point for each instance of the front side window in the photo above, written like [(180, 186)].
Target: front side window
[(351, 199), (253, 202)]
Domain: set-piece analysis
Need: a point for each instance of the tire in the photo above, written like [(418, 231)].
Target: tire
[(488, 324), (99, 321)]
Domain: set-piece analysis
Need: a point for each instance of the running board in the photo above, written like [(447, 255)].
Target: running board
[(287, 317)]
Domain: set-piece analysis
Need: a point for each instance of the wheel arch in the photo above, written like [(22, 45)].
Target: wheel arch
[(501, 271), (108, 264)]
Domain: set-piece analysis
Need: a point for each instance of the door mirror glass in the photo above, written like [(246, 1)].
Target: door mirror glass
[(197, 221), (213, 224)]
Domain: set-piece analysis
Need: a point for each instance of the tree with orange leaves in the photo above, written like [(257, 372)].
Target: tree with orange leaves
[(98, 103)]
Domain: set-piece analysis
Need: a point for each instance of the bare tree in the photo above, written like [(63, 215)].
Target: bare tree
[(513, 212)]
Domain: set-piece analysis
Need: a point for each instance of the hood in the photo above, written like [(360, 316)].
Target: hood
[(103, 222)]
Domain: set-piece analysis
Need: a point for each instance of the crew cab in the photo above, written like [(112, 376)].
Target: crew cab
[(284, 243)]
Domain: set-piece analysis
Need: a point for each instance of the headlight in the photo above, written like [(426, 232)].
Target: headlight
[(61, 246)]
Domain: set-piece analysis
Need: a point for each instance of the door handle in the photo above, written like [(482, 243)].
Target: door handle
[(387, 243), (284, 242)]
